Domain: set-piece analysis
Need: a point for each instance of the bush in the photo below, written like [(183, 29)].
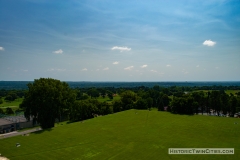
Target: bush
[(1, 111), (9, 111)]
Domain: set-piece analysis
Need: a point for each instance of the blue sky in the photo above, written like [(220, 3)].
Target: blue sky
[(111, 40)]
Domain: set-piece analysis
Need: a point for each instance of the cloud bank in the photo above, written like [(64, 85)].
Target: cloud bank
[(116, 62), (153, 71), (60, 51), (121, 48), (105, 69), (1, 49), (128, 68), (144, 66), (56, 69), (209, 43)]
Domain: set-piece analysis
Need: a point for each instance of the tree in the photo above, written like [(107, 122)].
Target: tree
[(200, 101), (110, 95), (117, 106), (141, 104), (232, 106), (103, 92), (215, 101), (11, 96), (82, 110), (93, 92), (9, 111), (1, 111), (46, 100), (128, 98)]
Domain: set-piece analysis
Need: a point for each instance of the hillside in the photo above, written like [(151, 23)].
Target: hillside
[(132, 134)]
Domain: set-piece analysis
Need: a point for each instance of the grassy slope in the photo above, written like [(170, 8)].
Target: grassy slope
[(126, 135)]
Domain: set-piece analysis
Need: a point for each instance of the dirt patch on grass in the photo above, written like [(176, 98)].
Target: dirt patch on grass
[(3, 158)]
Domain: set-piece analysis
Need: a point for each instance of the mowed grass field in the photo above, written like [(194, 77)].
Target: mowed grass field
[(132, 134)]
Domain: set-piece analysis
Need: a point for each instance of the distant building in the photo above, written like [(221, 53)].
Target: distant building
[(13, 123)]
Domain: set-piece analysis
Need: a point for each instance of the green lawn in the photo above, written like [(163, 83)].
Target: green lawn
[(232, 91), (127, 135), (106, 99), (226, 91), (14, 104)]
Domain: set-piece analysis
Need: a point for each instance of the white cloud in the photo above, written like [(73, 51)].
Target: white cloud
[(185, 71), (121, 48), (1, 49), (168, 65), (97, 69), (129, 68), (60, 51), (144, 66), (105, 69), (56, 69), (84, 69), (116, 62), (197, 66), (153, 71), (209, 43), (216, 67), (25, 70)]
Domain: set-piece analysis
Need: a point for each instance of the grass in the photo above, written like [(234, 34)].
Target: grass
[(127, 135), (232, 91), (106, 99), (226, 91), (14, 104)]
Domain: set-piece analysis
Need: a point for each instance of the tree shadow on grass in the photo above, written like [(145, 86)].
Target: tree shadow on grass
[(42, 131), (69, 122), (182, 114)]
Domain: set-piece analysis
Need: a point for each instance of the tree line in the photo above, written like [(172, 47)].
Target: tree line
[(49, 99)]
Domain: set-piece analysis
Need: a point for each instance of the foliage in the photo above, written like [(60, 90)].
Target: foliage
[(93, 92), (117, 106), (141, 104), (46, 100), (128, 98), (9, 111), (1, 111), (11, 96), (82, 110)]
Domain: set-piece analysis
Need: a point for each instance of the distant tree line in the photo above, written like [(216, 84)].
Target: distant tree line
[(49, 99)]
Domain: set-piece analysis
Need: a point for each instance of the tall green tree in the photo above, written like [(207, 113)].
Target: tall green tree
[(82, 110), (47, 99), (93, 92), (128, 98)]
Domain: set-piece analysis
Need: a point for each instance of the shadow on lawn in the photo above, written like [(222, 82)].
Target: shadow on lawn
[(42, 131), (183, 114)]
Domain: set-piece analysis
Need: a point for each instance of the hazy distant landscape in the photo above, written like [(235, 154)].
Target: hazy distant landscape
[(23, 84)]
